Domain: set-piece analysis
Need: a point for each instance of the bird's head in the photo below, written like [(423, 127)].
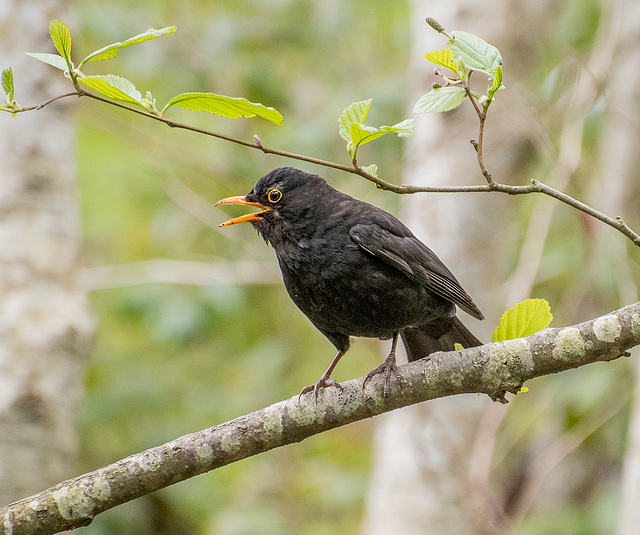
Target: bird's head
[(282, 195)]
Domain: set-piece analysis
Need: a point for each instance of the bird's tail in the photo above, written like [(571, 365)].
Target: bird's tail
[(437, 336)]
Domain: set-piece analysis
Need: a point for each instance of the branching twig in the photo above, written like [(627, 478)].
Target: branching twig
[(493, 369), (491, 186)]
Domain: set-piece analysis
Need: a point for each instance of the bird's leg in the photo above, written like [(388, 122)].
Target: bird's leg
[(387, 368), (325, 380)]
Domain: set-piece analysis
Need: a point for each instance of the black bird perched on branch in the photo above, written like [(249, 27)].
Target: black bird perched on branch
[(356, 270)]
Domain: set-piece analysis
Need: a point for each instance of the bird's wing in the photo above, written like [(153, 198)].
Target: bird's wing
[(394, 244)]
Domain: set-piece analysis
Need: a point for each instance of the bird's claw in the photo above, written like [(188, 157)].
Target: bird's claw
[(387, 368), (323, 382)]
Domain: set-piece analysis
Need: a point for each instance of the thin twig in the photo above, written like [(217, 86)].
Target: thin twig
[(491, 186), (47, 102)]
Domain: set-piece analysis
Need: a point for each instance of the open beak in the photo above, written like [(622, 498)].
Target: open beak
[(248, 217)]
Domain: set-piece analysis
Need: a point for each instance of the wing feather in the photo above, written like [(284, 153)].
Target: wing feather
[(397, 246)]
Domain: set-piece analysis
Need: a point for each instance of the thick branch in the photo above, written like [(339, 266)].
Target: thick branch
[(493, 369)]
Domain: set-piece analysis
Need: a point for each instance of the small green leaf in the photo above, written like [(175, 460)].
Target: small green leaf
[(355, 113), (352, 129), (476, 53), (361, 133), (523, 319), (440, 99), (231, 107), (458, 347), (444, 58), (371, 169), (114, 87), (111, 51), (7, 84), (497, 84), (402, 129), (52, 59), (10, 105), (497, 80), (61, 36)]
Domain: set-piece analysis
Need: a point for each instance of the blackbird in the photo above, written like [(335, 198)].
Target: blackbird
[(355, 270)]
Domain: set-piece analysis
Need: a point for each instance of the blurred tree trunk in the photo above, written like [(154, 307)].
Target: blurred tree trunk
[(432, 465), (421, 481), (432, 461), (45, 325), (620, 160)]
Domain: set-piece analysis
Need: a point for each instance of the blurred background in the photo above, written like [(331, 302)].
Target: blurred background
[(167, 325)]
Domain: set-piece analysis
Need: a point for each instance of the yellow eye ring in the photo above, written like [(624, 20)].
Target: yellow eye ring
[(274, 195)]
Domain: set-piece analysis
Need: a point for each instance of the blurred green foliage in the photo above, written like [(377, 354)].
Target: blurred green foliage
[(172, 359)]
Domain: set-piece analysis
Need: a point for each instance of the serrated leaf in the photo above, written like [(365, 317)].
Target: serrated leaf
[(114, 87), (371, 169), (52, 59), (440, 99), (361, 134), (111, 51), (402, 129), (352, 129), (497, 79), (354, 113), (7, 83), (497, 83), (523, 319), (61, 36), (231, 107), (444, 58), (476, 53)]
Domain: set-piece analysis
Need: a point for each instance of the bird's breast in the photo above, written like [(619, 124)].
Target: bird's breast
[(342, 288)]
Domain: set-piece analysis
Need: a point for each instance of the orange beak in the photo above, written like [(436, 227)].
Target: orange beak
[(248, 217)]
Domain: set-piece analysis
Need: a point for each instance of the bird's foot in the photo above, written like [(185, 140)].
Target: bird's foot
[(387, 368), (324, 382)]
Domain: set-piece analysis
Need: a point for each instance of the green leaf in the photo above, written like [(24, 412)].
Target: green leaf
[(497, 84), (355, 113), (111, 51), (361, 133), (61, 36), (458, 347), (114, 87), (476, 53), (403, 129), (444, 58), (440, 99), (371, 169), (352, 129), (225, 106), (52, 59), (7, 84), (497, 79), (523, 319)]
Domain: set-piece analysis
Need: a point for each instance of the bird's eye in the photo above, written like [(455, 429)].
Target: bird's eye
[(274, 195)]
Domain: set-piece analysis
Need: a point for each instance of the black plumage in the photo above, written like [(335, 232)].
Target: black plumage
[(355, 270)]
